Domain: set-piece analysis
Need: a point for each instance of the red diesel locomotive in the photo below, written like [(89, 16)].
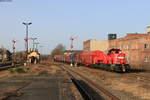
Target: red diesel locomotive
[(113, 60)]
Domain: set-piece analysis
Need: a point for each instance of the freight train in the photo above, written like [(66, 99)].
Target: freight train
[(113, 60)]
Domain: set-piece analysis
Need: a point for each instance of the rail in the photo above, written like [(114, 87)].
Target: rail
[(92, 83)]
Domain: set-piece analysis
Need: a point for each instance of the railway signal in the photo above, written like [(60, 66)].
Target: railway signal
[(13, 47), (72, 46), (72, 39)]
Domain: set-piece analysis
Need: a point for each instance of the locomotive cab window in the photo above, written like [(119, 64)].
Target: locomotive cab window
[(112, 51)]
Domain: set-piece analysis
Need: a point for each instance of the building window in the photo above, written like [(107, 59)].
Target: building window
[(127, 47), (124, 47), (120, 47), (146, 46), (146, 59)]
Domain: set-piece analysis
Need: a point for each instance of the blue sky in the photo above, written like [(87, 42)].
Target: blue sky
[(54, 21)]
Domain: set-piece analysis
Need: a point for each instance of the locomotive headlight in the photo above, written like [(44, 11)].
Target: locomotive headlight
[(120, 57)]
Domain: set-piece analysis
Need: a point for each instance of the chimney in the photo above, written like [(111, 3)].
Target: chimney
[(148, 29)]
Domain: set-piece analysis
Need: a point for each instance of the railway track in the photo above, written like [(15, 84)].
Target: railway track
[(5, 67), (89, 94), (135, 75)]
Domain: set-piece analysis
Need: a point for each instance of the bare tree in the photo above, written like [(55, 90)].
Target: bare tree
[(20, 56), (58, 50)]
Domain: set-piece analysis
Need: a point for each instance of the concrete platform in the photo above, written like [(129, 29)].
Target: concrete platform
[(55, 87)]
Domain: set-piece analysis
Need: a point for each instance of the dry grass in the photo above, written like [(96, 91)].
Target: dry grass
[(133, 88), (117, 82)]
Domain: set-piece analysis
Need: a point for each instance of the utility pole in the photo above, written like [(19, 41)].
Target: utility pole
[(26, 39), (33, 43), (41, 48), (41, 52), (13, 47), (36, 45)]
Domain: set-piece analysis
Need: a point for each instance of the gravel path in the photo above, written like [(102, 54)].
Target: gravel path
[(42, 82)]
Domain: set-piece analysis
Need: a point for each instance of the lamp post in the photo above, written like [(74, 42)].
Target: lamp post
[(26, 39)]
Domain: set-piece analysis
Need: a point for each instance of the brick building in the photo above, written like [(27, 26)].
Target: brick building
[(136, 47), (91, 45)]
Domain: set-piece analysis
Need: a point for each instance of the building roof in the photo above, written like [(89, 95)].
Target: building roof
[(136, 35)]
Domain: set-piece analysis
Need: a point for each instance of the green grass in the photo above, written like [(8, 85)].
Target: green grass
[(18, 70)]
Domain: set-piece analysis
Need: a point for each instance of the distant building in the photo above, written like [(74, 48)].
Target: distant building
[(5, 55), (91, 45), (34, 57)]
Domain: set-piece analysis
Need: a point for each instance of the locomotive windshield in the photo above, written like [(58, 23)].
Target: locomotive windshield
[(111, 51)]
